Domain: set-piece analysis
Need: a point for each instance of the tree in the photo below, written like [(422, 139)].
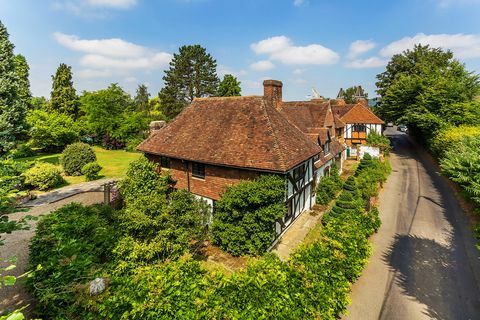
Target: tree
[(141, 100), (51, 131), (22, 70), (12, 109), (352, 93), (104, 109), (229, 86), (426, 89), (63, 96), (192, 74)]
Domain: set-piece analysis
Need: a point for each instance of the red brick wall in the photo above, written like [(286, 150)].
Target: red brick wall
[(216, 178)]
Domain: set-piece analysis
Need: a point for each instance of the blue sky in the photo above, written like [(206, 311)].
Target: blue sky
[(309, 43)]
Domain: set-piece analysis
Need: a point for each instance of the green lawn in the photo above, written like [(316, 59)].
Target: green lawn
[(113, 162)]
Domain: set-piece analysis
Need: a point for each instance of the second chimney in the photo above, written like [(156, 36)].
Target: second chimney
[(272, 91)]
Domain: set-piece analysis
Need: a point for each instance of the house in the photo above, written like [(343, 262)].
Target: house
[(359, 120), (217, 142)]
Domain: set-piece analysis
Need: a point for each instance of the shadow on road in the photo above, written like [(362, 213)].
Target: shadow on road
[(424, 270)]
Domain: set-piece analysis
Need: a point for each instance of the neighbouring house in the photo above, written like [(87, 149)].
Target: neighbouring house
[(359, 120), (217, 142)]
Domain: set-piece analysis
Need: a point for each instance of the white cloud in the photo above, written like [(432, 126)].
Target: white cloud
[(281, 49), (262, 65), (372, 62), (298, 71), (223, 70), (359, 47), (109, 47), (154, 61), (117, 4), (106, 57), (91, 73), (463, 45)]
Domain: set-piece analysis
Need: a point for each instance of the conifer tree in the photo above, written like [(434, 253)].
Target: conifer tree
[(22, 70), (229, 87), (192, 74), (63, 97), (12, 109), (141, 100)]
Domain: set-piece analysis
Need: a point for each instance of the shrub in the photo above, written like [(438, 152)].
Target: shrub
[(91, 170), (73, 246), (380, 141), (133, 143), (22, 151), (75, 156), (328, 187), (350, 186), (111, 143), (44, 176), (245, 215), (451, 137), (462, 165)]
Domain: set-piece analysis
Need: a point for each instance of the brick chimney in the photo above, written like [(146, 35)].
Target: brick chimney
[(272, 91)]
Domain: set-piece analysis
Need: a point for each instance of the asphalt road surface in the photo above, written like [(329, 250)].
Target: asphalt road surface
[(425, 264)]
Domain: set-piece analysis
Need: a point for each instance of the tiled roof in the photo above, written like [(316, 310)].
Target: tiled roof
[(356, 113), (307, 115), (235, 131)]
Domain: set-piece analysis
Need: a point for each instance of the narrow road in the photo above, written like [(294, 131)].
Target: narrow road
[(425, 264)]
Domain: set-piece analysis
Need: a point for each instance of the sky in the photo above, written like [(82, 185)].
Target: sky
[(304, 43)]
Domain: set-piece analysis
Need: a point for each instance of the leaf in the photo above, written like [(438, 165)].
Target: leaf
[(16, 316), (9, 280), (10, 267)]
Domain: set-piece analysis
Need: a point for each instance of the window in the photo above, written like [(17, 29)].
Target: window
[(165, 162), (359, 128), (298, 173), (198, 170), (326, 148)]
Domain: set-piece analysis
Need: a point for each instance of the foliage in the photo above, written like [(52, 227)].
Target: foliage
[(51, 131), (72, 245), (91, 171), (141, 100), (450, 137), (12, 182), (369, 175), (75, 156), (43, 176), (22, 70), (159, 223), (328, 187), (104, 109), (23, 150), (245, 215), (427, 89), (12, 108), (229, 86), (133, 143), (380, 141), (350, 93), (63, 97), (461, 164), (192, 74)]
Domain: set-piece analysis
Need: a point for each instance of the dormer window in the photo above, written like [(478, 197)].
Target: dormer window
[(326, 148)]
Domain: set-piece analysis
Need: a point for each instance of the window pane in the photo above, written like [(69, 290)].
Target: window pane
[(198, 170)]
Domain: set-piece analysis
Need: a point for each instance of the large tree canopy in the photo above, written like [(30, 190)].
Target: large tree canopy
[(427, 89), (12, 108), (63, 96), (229, 87), (192, 74)]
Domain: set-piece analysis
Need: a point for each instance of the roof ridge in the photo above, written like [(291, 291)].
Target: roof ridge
[(275, 138)]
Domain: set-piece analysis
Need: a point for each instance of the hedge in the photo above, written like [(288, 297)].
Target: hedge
[(43, 176), (313, 284)]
